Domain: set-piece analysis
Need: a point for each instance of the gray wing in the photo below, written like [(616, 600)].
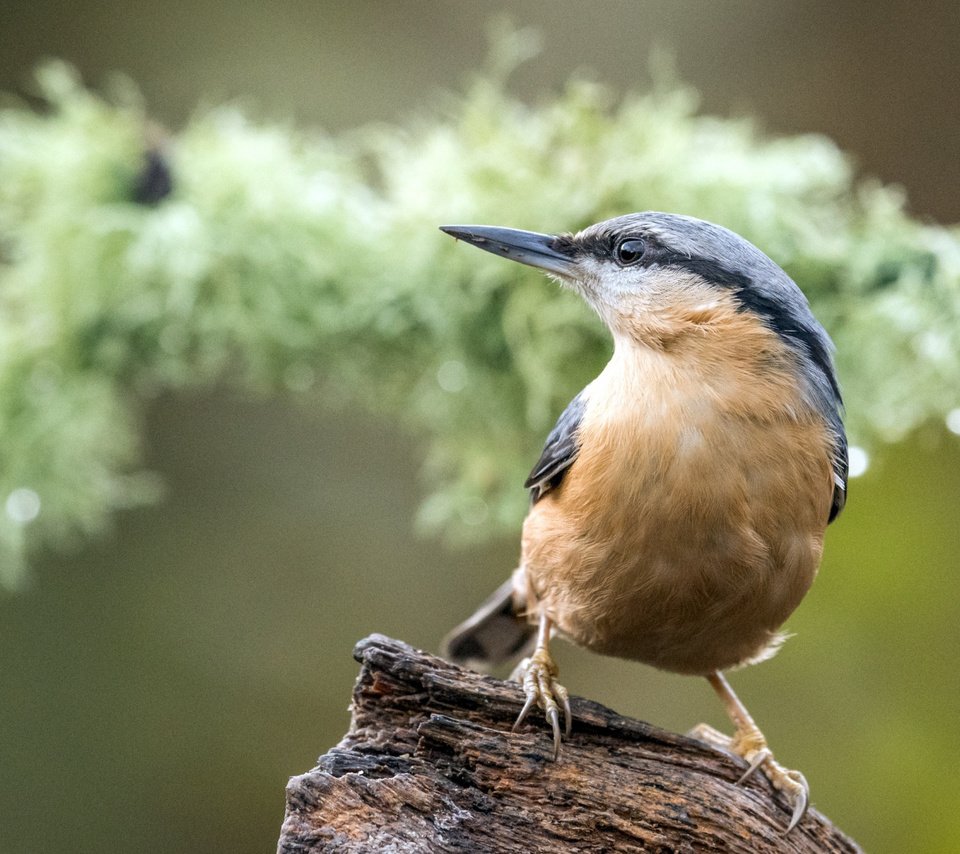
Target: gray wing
[(561, 449)]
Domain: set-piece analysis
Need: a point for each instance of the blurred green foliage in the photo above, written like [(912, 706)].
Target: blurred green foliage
[(287, 260)]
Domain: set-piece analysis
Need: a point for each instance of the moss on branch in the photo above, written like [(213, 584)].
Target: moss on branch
[(290, 261)]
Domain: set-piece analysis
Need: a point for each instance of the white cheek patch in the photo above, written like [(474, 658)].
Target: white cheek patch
[(644, 294), (609, 282)]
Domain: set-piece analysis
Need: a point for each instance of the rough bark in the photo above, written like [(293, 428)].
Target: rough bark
[(430, 764)]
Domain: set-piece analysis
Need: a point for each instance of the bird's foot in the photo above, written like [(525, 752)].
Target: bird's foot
[(538, 676), (749, 744)]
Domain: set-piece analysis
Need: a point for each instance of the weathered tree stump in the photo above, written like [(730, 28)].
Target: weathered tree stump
[(430, 764)]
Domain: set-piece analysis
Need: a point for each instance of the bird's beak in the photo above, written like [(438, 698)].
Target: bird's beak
[(527, 247)]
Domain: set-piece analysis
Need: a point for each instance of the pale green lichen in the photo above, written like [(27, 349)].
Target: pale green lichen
[(285, 260)]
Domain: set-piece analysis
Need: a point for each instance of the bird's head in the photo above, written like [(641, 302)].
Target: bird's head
[(664, 280), (653, 277)]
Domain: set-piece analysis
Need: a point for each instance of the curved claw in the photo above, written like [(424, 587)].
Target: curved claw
[(803, 801), (791, 784), (531, 699), (537, 675), (750, 745), (758, 760), (554, 717)]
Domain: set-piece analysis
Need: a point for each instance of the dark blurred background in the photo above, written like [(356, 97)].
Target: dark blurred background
[(161, 684)]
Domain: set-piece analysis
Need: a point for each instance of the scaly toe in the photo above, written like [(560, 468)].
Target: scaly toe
[(708, 735), (751, 746), (564, 696), (791, 784), (795, 789), (537, 674)]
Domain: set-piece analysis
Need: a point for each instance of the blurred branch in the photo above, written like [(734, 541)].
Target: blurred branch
[(430, 764), (281, 261)]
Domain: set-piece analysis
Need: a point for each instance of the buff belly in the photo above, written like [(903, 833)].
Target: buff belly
[(697, 553)]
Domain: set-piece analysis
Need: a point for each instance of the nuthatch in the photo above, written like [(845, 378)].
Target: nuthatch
[(679, 506)]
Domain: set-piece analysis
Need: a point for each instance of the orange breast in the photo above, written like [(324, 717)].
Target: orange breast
[(691, 524)]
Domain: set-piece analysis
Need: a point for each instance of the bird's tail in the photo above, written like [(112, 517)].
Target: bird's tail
[(495, 634)]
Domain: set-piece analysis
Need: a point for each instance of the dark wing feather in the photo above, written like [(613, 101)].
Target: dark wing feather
[(840, 467), (561, 449)]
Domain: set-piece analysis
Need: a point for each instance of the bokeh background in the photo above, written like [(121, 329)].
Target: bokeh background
[(160, 684)]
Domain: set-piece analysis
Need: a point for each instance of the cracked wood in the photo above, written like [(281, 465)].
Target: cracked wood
[(430, 764)]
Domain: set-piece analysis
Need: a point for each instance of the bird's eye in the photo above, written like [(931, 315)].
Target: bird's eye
[(629, 251)]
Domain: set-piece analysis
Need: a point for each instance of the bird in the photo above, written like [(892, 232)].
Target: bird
[(678, 510)]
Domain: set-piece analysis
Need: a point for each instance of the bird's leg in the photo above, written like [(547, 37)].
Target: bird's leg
[(749, 743), (538, 675)]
